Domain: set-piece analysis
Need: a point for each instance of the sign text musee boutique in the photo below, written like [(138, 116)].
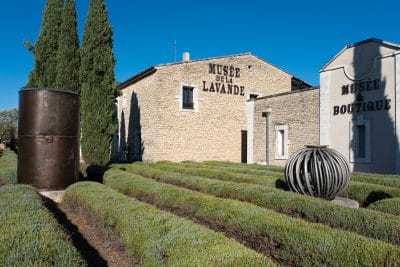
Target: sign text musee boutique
[(223, 82), (360, 105)]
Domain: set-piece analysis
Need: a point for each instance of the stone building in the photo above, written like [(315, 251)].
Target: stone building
[(360, 105), (283, 123), (206, 110), (241, 108)]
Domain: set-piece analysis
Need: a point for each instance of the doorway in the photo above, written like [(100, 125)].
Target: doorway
[(244, 147)]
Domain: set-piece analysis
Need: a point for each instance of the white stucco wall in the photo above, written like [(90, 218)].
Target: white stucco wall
[(370, 69)]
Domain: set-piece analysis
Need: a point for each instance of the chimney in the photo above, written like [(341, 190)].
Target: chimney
[(185, 56)]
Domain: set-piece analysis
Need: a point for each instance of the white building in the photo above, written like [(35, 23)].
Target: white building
[(359, 105)]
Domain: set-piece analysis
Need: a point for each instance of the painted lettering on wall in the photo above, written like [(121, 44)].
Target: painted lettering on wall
[(223, 81), (360, 105), (377, 105), (361, 86)]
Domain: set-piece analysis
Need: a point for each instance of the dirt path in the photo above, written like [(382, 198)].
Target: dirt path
[(97, 246)]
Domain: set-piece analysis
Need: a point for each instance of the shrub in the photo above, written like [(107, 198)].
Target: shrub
[(68, 59), (8, 167), (363, 221), (157, 237), (380, 179), (235, 168), (362, 192), (29, 234), (45, 49), (272, 168), (271, 181), (292, 240), (391, 205), (369, 193), (97, 81), (372, 178)]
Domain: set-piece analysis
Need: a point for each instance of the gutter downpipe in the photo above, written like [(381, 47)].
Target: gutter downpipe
[(266, 115)]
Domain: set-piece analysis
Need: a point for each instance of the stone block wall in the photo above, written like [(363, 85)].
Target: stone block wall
[(212, 130), (299, 110)]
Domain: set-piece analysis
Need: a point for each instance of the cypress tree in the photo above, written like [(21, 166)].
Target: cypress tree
[(68, 58), (97, 80), (45, 50)]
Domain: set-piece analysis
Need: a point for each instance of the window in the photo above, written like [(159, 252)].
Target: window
[(187, 97), (360, 140), (282, 142)]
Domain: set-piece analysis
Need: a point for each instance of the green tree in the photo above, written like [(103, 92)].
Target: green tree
[(45, 49), (68, 58), (8, 123), (97, 80)]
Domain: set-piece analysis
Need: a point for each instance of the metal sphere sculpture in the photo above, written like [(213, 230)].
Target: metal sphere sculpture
[(317, 171)]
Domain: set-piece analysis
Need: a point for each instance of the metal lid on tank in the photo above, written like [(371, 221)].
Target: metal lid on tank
[(24, 89)]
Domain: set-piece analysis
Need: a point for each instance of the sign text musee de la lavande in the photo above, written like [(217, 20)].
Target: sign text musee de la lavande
[(223, 82)]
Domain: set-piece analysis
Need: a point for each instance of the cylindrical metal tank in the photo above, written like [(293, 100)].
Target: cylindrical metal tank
[(48, 138)]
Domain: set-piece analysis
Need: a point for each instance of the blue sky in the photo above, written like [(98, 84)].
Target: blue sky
[(298, 36)]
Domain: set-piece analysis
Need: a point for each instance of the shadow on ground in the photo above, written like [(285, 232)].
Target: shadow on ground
[(89, 253), (93, 173)]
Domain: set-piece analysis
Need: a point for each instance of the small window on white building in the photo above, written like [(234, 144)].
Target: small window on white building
[(282, 142), (360, 140), (361, 145)]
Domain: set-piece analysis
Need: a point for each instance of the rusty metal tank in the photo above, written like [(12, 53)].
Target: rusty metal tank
[(48, 138)]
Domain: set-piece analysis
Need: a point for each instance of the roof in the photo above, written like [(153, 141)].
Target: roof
[(205, 59), (370, 40), (137, 77), (149, 71), (287, 93)]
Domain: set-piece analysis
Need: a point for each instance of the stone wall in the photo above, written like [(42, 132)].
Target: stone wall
[(299, 110), (212, 130)]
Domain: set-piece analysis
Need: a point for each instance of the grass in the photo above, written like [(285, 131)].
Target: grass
[(290, 240), (29, 234), (157, 237), (8, 167), (363, 221), (391, 206)]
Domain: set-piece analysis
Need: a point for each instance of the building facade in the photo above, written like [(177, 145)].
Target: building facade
[(196, 110), (241, 108), (359, 105), (284, 123)]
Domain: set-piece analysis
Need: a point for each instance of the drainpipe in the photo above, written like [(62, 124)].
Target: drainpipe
[(266, 116)]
